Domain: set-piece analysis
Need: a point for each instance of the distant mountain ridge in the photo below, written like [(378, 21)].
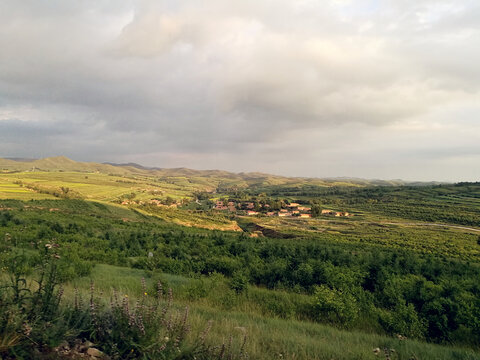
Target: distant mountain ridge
[(225, 178), (132, 164), (20, 159), (62, 163)]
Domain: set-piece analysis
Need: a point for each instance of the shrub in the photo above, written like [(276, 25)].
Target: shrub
[(403, 320), (335, 306), (239, 282), (28, 313)]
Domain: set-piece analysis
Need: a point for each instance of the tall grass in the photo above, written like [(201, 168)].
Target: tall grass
[(35, 317), (269, 337)]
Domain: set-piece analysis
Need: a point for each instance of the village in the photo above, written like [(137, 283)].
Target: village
[(277, 208), (286, 210)]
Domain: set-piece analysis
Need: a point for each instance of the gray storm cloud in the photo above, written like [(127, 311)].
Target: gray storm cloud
[(305, 88)]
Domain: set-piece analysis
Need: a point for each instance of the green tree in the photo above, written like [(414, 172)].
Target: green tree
[(169, 200), (316, 210), (239, 282)]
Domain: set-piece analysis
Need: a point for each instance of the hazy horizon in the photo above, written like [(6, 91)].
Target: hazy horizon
[(341, 88), (346, 177)]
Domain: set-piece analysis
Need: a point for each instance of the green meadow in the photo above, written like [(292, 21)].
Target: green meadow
[(269, 337)]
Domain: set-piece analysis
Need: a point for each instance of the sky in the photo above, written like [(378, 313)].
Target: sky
[(359, 88)]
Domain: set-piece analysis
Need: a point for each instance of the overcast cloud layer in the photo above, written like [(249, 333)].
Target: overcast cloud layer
[(367, 88)]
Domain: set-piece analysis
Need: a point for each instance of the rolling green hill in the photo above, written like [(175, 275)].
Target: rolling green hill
[(214, 177)]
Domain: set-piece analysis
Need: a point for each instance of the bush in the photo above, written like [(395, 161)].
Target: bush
[(28, 313), (239, 282), (403, 320), (335, 306)]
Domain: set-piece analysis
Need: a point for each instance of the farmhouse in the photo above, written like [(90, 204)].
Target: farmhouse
[(340, 214)]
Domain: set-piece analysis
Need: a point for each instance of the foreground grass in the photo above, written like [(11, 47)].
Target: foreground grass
[(268, 338)]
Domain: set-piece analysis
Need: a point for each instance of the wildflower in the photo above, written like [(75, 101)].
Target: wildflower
[(27, 329), (126, 295), (170, 297), (166, 338), (76, 299), (60, 294), (205, 332), (145, 293), (126, 310), (159, 290), (140, 324)]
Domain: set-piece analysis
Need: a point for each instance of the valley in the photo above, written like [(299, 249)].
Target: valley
[(373, 265)]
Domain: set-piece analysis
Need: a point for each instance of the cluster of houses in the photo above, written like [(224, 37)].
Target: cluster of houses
[(160, 203), (155, 202), (288, 210), (335, 213), (250, 208), (293, 209)]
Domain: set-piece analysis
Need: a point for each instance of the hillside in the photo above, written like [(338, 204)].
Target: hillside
[(217, 177), (337, 292)]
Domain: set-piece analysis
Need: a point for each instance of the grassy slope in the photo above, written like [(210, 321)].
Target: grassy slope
[(269, 337)]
